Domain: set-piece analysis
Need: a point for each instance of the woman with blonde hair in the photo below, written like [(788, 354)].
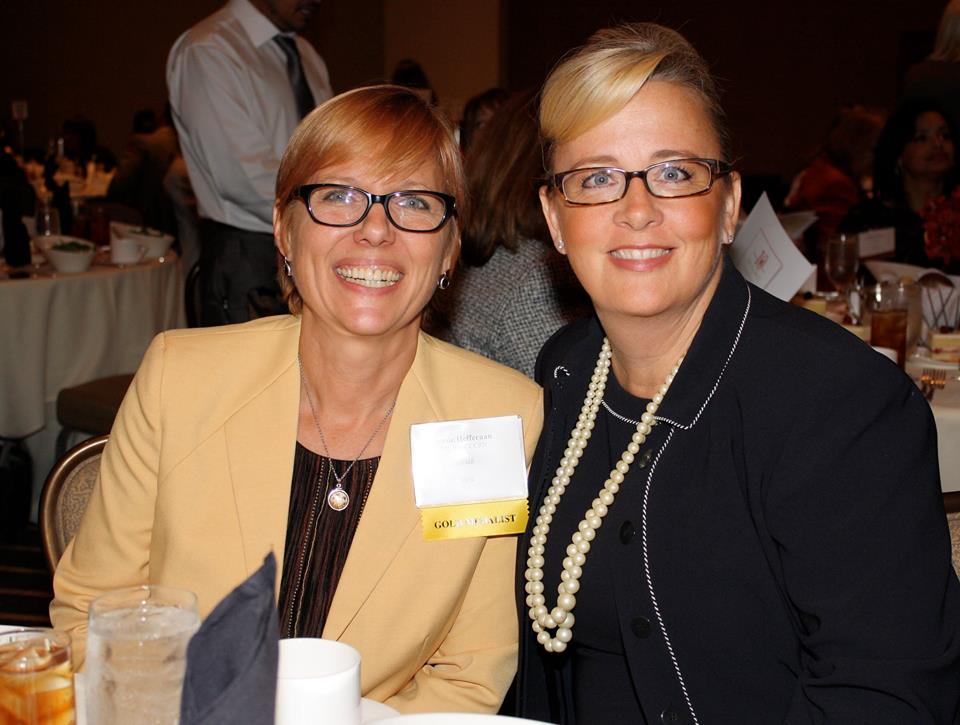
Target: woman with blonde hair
[(737, 506), (292, 434), (937, 78)]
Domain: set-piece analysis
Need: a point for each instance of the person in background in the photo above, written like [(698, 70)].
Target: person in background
[(17, 200), (240, 81), (138, 180), (292, 433), (408, 73), (477, 112), (736, 513), (80, 145), (914, 165), (176, 183), (515, 291), (938, 77), (840, 176)]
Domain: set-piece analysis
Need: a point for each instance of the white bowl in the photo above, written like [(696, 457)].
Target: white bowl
[(66, 254), (125, 250), (156, 242)]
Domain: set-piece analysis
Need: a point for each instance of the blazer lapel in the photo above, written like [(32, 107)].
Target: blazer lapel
[(391, 515), (261, 442)]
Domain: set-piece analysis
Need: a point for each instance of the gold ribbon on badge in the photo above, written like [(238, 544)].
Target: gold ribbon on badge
[(463, 521)]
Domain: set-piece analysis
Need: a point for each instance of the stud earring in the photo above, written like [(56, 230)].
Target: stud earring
[(287, 267), (444, 281), (560, 244)]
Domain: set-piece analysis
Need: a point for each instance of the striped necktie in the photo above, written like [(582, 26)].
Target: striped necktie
[(301, 91)]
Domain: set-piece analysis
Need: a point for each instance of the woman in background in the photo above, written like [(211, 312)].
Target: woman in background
[(477, 112), (515, 290), (915, 164), (837, 179), (938, 77), (738, 515)]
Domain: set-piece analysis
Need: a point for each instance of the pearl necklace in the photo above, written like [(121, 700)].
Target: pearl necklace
[(561, 616)]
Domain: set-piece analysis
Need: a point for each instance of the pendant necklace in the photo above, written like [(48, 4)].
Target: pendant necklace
[(561, 616), (337, 498)]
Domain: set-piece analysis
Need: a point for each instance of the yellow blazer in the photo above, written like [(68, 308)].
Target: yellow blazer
[(194, 491)]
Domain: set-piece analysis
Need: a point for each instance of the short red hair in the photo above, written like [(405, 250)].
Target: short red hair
[(388, 126)]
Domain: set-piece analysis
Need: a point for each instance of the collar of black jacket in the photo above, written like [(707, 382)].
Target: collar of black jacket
[(567, 361)]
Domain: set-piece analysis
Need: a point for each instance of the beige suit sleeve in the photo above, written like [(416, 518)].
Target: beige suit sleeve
[(112, 546), (476, 662)]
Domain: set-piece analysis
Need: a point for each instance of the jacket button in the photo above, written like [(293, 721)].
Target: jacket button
[(672, 716), (626, 532), (640, 627)]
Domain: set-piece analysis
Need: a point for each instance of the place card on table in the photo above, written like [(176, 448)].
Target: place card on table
[(469, 477), (765, 255), (875, 242)]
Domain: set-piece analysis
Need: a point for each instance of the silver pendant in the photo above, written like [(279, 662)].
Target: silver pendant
[(338, 499)]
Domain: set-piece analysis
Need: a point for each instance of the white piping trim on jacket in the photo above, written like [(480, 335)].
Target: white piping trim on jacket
[(646, 499), (716, 384), (653, 595)]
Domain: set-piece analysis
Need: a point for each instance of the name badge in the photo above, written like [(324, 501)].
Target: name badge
[(469, 477)]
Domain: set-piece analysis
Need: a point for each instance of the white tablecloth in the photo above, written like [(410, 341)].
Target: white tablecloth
[(62, 330), (946, 411)]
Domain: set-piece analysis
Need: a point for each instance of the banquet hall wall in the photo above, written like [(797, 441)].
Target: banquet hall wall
[(787, 66)]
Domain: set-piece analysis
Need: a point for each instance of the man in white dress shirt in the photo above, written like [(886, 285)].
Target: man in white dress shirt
[(240, 80)]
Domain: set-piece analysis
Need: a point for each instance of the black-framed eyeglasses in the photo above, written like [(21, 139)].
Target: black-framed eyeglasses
[(667, 180), (339, 205)]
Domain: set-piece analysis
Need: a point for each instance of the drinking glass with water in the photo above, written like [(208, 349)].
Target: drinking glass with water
[(136, 654)]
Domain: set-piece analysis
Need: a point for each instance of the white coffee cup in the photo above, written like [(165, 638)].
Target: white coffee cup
[(318, 680)]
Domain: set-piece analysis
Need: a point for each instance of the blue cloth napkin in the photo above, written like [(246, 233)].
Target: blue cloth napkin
[(231, 672)]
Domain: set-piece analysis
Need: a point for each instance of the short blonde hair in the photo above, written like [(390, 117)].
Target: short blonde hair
[(947, 45), (387, 126), (594, 82)]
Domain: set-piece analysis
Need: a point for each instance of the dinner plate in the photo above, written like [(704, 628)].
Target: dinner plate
[(373, 711), (453, 718), (920, 361)]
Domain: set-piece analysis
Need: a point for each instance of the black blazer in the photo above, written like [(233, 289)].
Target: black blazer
[(796, 543)]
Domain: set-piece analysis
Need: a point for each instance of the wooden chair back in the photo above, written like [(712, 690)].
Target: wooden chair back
[(65, 496)]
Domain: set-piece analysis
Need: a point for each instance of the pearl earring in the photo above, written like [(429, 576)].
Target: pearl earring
[(560, 244)]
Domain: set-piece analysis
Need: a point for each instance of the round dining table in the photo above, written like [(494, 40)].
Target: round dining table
[(60, 330)]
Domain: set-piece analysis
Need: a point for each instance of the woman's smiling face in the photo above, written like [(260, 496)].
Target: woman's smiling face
[(371, 278), (646, 256)]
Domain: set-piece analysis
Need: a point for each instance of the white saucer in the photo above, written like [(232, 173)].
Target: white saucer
[(371, 711)]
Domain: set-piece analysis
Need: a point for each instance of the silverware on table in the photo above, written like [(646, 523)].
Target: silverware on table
[(926, 388), (938, 381), (931, 380)]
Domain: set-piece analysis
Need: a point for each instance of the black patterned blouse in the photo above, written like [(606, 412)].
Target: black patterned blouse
[(320, 530)]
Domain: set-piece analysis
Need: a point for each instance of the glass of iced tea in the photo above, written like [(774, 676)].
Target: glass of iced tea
[(888, 308), (36, 678)]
